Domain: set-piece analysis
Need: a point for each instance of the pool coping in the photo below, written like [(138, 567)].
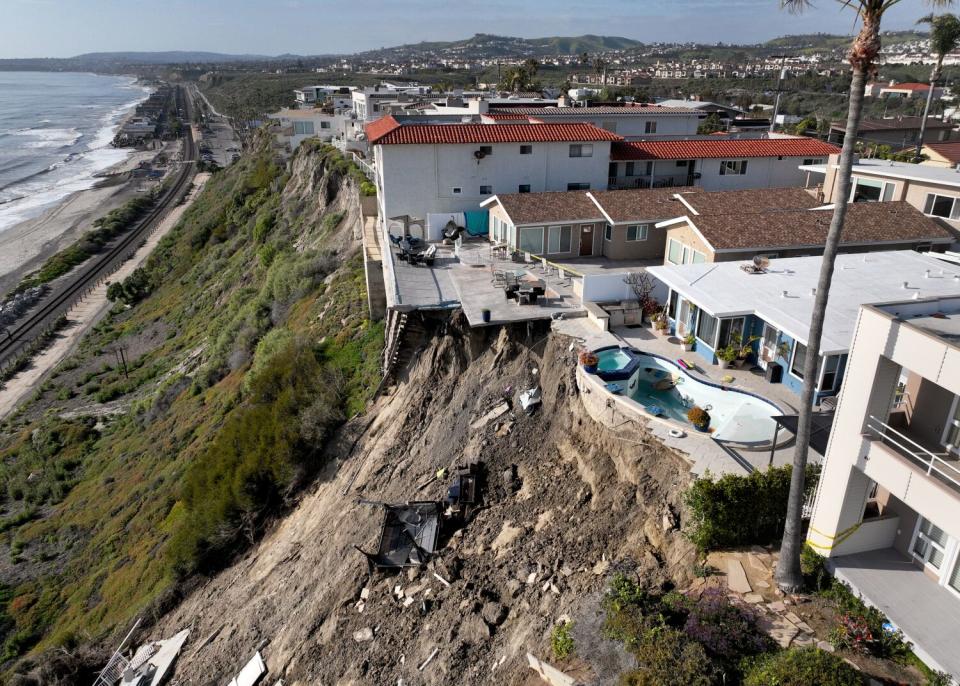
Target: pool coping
[(600, 379)]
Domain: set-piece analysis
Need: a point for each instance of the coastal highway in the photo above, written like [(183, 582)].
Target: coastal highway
[(16, 339)]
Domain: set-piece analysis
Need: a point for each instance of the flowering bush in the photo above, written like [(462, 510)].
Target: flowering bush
[(698, 416), (726, 630), (853, 633), (588, 358)]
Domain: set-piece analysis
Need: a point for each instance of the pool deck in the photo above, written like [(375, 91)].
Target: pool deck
[(704, 454)]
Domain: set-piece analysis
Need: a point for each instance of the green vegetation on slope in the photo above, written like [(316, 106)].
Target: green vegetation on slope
[(237, 369)]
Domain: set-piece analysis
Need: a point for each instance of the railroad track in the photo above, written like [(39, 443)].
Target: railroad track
[(17, 338)]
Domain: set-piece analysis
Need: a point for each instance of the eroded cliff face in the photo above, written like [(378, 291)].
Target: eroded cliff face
[(567, 504)]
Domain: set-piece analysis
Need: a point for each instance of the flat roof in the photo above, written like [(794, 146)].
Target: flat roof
[(782, 295), (939, 317), (945, 176)]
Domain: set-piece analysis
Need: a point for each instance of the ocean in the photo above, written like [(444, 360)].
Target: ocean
[(55, 133)]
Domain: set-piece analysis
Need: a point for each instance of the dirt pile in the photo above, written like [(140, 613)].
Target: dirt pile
[(567, 504)]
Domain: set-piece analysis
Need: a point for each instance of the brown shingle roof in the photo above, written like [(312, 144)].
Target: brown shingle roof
[(948, 151), (545, 208), (650, 204), (876, 222), (894, 124), (753, 200)]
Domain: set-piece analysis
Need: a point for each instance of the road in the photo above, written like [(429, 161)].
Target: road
[(18, 337)]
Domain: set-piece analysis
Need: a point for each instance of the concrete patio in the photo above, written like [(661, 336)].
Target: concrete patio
[(927, 613)]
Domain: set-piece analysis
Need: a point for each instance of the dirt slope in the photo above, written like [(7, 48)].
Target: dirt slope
[(568, 504)]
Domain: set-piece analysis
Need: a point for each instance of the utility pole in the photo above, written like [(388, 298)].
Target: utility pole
[(776, 103)]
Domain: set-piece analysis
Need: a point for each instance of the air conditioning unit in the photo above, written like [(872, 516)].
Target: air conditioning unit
[(479, 154)]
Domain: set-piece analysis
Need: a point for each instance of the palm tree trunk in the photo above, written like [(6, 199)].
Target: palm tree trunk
[(788, 575), (934, 77)]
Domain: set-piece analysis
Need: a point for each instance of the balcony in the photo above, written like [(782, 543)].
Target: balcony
[(617, 183), (936, 462)]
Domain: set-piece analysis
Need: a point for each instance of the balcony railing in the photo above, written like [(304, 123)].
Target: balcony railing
[(672, 181), (933, 463)]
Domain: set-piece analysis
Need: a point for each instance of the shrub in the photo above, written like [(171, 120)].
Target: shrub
[(561, 640), (802, 667), (814, 568), (741, 510), (861, 628), (727, 631), (698, 416), (666, 657)]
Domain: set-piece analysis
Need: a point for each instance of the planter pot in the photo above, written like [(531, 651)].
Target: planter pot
[(702, 428), (686, 347), (590, 368), (724, 364), (485, 315), (739, 362), (663, 333)]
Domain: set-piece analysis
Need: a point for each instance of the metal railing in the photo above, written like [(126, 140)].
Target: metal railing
[(117, 664), (934, 464)]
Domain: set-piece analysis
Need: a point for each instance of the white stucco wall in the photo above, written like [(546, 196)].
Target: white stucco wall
[(419, 179)]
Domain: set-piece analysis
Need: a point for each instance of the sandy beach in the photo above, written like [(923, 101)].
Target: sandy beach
[(25, 246)]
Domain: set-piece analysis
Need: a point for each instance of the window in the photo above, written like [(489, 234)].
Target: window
[(799, 359), (672, 305), (324, 125), (531, 240), (729, 330), (523, 188), (866, 190), (456, 190), (303, 128), (828, 379), (706, 327), (581, 150), (559, 239), (637, 232), (486, 150), (649, 169), (578, 186), (608, 233), (941, 206), (486, 190), (681, 163), (813, 160), (650, 127), (610, 126), (675, 251), (630, 169), (698, 257), (526, 149), (733, 167), (930, 545)]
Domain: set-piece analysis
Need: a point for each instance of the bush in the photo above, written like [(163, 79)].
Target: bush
[(802, 667), (727, 631), (861, 628), (741, 510), (561, 640), (666, 657), (814, 568)]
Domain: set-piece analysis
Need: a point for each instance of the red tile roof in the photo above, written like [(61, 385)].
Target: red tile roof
[(388, 131), (742, 147), (908, 86)]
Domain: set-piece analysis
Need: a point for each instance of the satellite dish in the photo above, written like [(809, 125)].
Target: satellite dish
[(479, 154)]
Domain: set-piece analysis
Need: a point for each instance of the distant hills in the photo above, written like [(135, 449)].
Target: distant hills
[(481, 45)]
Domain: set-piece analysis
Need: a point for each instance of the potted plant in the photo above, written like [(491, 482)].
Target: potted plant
[(686, 343), (589, 360), (744, 348), (660, 323), (727, 355), (699, 417)]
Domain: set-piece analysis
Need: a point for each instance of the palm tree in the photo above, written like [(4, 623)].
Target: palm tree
[(944, 39), (600, 68), (862, 56), (532, 66)]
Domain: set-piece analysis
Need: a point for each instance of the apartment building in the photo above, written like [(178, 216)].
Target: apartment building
[(716, 163), (439, 165), (887, 509), (628, 120)]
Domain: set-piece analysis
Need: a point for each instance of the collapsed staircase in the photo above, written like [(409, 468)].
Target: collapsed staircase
[(405, 333)]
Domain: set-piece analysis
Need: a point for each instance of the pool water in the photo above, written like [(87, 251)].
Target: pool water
[(612, 359), (735, 416)]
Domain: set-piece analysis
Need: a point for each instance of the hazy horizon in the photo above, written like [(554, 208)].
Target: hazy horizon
[(48, 28)]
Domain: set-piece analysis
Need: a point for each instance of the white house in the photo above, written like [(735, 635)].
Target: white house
[(295, 126), (629, 120), (440, 165), (887, 509), (716, 163)]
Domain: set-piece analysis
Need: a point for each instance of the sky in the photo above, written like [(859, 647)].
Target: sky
[(63, 28)]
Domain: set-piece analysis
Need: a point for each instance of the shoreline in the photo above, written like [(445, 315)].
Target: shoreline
[(25, 246)]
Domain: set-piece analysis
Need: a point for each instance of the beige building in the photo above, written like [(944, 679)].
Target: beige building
[(935, 191), (619, 225), (788, 222), (941, 154), (887, 509)]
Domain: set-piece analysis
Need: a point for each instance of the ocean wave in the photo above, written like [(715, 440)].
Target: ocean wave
[(49, 138)]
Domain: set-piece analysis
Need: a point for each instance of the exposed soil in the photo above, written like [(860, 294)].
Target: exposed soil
[(567, 504)]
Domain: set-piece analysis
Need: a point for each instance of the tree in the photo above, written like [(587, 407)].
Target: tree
[(600, 68), (862, 57), (711, 124), (944, 39), (532, 66)]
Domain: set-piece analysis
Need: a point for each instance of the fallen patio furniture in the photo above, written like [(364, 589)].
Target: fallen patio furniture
[(251, 673), (408, 535), (463, 494), (530, 399)]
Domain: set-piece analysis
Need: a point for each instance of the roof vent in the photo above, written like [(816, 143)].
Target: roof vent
[(905, 285), (783, 294), (926, 274), (916, 296), (813, 292)]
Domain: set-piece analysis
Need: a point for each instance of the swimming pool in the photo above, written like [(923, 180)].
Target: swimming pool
[(735, 416)]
